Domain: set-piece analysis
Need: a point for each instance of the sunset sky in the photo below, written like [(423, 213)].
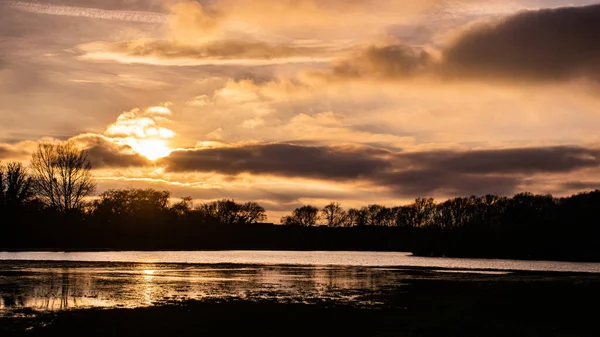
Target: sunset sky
[(291, 102)]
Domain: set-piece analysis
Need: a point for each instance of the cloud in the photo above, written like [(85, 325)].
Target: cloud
[(93, 13), (173, 53), (244, 32), (447, 172), (387, 61), (438, 182), (345, 170), (289, 160), (104, 153), (299, 16), (15, 151), (520, 161), (500, 171), (141, 124), (540, 45), (548, 44), (141, 130), (580, 185)]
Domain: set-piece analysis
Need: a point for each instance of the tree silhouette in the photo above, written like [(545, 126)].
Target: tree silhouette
[(62, 175), (422, 212), (15, 185), (183, 207), (227, 211), (523, 226), (251, 212), (333, 214), (356, 217), (306, 216), (141, 203)]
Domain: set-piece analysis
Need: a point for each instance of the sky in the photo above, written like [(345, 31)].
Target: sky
[(295, 102)]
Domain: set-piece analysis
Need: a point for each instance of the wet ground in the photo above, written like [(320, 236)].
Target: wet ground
[(112, 299)]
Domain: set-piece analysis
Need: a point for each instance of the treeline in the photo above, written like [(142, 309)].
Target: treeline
[(489, 213), (50, 205), (525, 226)]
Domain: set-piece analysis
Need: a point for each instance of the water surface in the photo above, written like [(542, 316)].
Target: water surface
[(59, 281), (365, 259)]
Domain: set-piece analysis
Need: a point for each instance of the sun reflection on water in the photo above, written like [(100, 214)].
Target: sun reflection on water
[(44, 286)]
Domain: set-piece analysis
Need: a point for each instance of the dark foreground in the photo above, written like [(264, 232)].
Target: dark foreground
[(533, 304)]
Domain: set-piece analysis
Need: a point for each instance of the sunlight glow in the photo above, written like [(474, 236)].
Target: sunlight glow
[(140, 130), (152, 149)]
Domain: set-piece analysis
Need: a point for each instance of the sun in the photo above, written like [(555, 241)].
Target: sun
[(141, 130), (152, 149)]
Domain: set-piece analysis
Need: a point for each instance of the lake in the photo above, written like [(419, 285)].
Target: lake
[(48, 281)]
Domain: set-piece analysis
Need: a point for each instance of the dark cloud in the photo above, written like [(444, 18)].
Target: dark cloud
[(408, 174), (483, 171), (548, 44), (541, 45), (105, 154), (521, 161), (431, 181), (405, 174), (580, 185), (337, 163)]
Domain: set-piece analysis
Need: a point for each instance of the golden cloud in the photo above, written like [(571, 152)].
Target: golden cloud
[(140, 130)]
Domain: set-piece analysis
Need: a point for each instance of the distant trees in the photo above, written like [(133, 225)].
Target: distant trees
[(522, 226), (419, 214), (148, 203), (462, 213), (303, 216), (227, 211), (62, 175)]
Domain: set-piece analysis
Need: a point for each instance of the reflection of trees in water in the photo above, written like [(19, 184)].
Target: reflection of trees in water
[(61, 290), (101, 285), (50, 289), (11, 301)]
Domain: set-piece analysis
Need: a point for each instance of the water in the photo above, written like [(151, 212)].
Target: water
[(364, 259), (45, 281)]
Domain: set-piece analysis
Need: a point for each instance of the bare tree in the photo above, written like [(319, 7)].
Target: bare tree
[(62, 175), (333, 214), (15, 185), (356, 217)]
